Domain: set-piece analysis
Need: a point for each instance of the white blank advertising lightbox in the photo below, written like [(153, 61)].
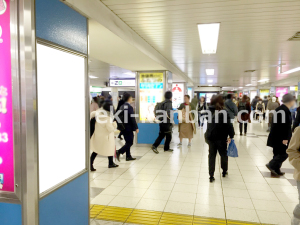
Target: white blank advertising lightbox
[(61, 115)]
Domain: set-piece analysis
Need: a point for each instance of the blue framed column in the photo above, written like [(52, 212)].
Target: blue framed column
[(59, 26)]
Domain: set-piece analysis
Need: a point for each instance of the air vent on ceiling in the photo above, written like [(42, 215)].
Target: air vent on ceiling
[(249, 71), (296, 37)]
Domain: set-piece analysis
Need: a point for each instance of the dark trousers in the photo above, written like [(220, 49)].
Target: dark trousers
[(120, 134), (165, 131), (245, 127), (214, 147), (279, 157), (94, 155), (128, 136), (201, 118)]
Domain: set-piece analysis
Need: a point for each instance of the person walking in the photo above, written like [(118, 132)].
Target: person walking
[(103, 140), (260, 110), (244, 106), (219, 133), (202, 107), (265, 101), (186, 128), (296, 122), (293, 152), (130, 127), (280, 134), (272, 105), (165, 127), (253, 105), (120, 103), (231, 107)]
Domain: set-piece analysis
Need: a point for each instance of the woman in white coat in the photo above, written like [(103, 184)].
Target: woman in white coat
[(103, 140)]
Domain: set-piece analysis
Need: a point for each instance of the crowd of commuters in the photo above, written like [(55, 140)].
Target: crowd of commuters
[(104, 125), (220, 114)]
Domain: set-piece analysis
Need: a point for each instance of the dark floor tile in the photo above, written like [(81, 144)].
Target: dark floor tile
[(270, 175), (293, 182), (287, 170), (94, 191)]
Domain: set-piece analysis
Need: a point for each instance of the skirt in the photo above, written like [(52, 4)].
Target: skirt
[(186, 130)]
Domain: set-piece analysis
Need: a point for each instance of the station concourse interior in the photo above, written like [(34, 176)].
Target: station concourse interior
[(62, 60)]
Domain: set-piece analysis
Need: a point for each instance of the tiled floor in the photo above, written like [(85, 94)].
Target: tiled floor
[(178, 182)]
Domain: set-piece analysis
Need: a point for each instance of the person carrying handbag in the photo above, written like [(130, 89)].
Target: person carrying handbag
[(186, 125)]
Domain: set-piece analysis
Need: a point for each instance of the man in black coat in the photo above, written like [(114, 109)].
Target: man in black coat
[(120, 103), (130, 127), (165, 128), (280, 134)]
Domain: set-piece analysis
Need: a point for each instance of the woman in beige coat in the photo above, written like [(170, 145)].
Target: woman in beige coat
[(103, 140), (294, 157)]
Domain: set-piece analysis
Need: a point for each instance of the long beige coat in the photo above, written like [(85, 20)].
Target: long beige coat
[(103, 140), (294, 154)]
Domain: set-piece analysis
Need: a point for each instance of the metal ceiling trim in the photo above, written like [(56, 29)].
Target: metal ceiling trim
[(96, 10)]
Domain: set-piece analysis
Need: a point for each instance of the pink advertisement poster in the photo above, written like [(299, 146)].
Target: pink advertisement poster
[(6, 116), (281, 91)]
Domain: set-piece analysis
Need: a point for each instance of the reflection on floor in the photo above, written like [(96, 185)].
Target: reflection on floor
[(177, 183)]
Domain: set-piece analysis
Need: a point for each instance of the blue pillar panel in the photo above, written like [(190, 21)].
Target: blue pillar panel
[(148, 133), (58, 23), (10, 214), (67, 205)]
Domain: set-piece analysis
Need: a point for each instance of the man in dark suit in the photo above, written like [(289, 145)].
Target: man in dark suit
[(130, 127), (165, 127), (280, 134), (120, 103)]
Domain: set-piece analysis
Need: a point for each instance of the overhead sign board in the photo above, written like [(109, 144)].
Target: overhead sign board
[(122, 83), (6, 113)]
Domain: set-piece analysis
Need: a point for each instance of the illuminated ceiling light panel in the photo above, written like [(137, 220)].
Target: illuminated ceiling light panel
[(93, 77), (129, 73), (210, 85), (248, 84), (209, 35), (210, 72), (292, 70), (210, 81), (263, 80)]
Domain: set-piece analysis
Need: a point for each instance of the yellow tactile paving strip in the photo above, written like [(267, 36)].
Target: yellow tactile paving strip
[(147, 217)]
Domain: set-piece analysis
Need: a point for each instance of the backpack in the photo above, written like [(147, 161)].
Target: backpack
[(159, 106), (242, 106)]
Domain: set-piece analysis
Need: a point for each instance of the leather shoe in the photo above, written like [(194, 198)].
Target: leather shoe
[(130, 158), (211, 179), (280, 173), (154, 150), (113, 165), (272, 170)]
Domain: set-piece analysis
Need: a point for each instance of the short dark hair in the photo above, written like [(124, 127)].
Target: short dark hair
[(107, 106), (168, 95), (187, 96), (265, 97), (126, 96), (229, 96)]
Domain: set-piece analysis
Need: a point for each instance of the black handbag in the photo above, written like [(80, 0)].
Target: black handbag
[(92, 126)]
